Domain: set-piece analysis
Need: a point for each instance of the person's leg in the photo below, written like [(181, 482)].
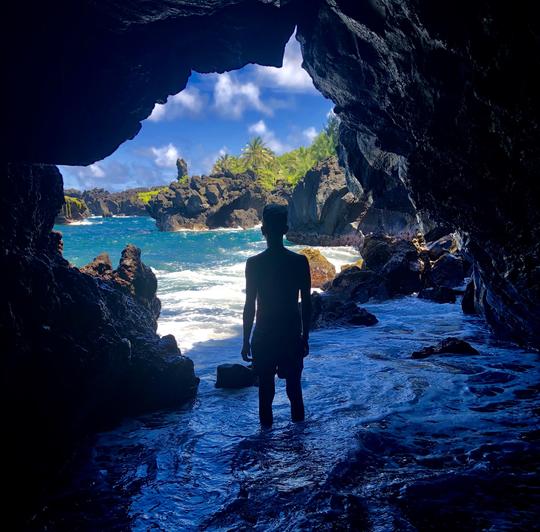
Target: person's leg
[(294, 393), (267, 390)]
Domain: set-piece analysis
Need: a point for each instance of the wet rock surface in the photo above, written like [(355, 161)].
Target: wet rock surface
[(448, 345), (332, 311), (234, 376)]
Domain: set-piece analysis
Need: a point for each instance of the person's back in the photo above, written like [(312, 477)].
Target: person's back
[(278, 275), (274, 279)]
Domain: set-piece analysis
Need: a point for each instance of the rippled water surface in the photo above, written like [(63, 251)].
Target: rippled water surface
[(445, 443)]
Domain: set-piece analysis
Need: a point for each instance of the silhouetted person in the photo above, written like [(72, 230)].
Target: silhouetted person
[(274, 278)]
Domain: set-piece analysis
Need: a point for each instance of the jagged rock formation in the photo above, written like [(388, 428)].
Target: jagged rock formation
[(79, 346), (322, 210), (208, 202), (443, 97)]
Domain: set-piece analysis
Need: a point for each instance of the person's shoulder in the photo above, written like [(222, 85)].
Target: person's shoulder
[(298, 258), (255, 258)]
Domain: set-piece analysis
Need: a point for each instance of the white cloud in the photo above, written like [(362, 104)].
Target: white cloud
[(232, 97), (261, 129), (208, 162), (310, 133), (188, 102), (165, 156), (291, 75), (96, 170)]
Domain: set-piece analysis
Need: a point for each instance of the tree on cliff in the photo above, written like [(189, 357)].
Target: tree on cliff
[(257, 155)]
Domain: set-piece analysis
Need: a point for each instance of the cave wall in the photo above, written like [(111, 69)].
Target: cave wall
[(452, 88)]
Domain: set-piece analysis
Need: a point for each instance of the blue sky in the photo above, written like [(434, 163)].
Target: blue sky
[(214, 114)]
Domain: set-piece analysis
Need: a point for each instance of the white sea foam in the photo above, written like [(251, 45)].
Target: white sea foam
[(84, 222)]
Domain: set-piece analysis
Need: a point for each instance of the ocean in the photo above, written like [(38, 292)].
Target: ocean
[(388, 442)]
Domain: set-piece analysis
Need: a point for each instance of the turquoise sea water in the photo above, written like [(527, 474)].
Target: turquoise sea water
[(389, 443)]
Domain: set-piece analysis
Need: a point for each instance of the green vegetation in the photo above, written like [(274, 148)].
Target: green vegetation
[(147, 195), (71, 204), (289, 167)]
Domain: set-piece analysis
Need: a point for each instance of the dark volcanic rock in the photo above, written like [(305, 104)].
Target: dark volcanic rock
[(181, 169), (440, 247), (80, 346), (440, 294), (447, 271), (322, 210), (208, 202), (467, 303), (100, 266), (359, 285), (396, 260), (448, 345), (450, 90), (332, 311), (234, 376), (243, 218)]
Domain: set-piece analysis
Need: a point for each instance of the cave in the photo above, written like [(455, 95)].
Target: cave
[(439, 99)]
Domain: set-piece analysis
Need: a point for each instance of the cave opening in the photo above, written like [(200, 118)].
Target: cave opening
[(414, 403)]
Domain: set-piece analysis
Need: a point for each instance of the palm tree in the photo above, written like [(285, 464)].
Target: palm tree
[(223, 164), (257, 155)]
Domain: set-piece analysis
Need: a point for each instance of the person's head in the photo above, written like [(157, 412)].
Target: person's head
[(274, 224)]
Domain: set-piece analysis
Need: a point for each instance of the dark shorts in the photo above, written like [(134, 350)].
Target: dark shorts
[(281, 355)]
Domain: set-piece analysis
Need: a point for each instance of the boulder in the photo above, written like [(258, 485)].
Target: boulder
[(321, 269), (448, 345), (395, 259), (234, 376), (440, 247), (447, 271), (439, 294), (359, 285), (332, 311)]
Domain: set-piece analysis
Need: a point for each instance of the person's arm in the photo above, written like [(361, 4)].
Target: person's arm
[(249, 311), (305, 296)]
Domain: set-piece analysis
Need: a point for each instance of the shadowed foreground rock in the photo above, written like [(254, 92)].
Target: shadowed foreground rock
[(448, 345), (80, 348), (234, 376)]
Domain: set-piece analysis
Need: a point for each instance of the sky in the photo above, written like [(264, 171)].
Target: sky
[(215, 114)]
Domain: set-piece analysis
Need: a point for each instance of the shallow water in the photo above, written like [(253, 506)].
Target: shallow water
[(449, 442)]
